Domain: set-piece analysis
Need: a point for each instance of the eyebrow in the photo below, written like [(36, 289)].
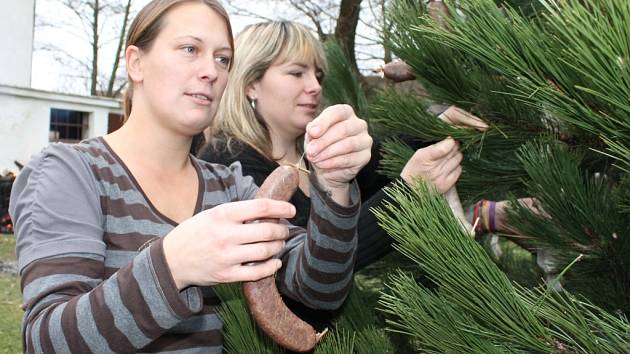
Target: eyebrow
[(302, 65), (190, 37), (197, 39)]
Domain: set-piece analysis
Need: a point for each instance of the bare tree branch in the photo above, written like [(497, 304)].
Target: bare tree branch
[(312, 14), (119, 89), (96, 10), (121, 40), (239, 11), (102, 27)]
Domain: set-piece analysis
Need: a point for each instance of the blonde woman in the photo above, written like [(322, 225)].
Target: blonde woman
[(271, 103), (120, 238), (272, 96)]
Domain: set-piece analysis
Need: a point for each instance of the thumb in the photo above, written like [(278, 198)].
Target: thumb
[(440, 149)]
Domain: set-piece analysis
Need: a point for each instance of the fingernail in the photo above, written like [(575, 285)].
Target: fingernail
[(311, 149), (314, 129)]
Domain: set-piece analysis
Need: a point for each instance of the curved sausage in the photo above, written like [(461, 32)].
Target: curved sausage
[(262, 296), (456, 206), (398, 71), (438, 12)]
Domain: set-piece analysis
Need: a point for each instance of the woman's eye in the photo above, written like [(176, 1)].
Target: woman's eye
[(319, 75), (296, 73), (189, 49), (223, 60)]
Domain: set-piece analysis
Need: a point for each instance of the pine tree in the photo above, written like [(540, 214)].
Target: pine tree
[(554, 84), (552, 79)]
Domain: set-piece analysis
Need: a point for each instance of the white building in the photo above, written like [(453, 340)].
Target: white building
[(30, 119)]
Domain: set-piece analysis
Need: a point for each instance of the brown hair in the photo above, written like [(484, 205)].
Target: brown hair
[(148, 24)]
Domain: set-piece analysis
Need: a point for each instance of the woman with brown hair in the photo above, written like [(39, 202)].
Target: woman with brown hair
[(120, 238)]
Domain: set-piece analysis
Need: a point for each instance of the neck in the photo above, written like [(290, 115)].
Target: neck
[(284, 147), (142, 140)]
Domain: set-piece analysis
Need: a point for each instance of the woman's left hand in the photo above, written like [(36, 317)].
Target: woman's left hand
[(338, 146)]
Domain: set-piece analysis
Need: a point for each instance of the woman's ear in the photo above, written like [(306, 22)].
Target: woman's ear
[(133, 57), (252, 90)]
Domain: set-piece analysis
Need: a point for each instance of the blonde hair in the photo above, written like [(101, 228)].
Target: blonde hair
[(257, 47), (147, 26)]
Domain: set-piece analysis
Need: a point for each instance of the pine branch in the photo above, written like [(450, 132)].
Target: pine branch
[(427, 232), (241, 334), (488, 156), (475, 307), (572, 61), (341, 84), (577, 216), (355, 328)]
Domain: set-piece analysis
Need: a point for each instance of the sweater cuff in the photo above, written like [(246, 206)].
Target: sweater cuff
[(183, 303), (339, 210)]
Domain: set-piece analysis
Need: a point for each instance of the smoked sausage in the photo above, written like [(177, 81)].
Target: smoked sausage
[(262, 296)]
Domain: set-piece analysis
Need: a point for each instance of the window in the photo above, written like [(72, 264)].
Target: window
[(68, 126)]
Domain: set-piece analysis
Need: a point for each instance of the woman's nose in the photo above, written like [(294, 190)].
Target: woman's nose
[(208, 71), (313, 85)]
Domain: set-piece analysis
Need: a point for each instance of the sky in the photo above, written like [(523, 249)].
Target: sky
[(57, 27)]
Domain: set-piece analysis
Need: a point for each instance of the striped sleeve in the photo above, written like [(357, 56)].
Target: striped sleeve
[(318, 265), (69, 306), (70, 309)]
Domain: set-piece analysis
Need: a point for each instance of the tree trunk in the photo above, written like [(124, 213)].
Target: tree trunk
[(94, 74), (121, 42), (346, 27), (387, 53)]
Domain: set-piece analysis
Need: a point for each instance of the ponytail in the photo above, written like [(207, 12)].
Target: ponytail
[(127, 102)]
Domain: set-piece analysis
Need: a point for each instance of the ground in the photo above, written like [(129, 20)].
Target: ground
[(10, 298)]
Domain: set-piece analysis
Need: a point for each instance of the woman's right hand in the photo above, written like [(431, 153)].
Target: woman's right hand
[(217, 245)]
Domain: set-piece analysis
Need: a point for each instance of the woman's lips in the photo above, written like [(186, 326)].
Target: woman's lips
[(200, 98)]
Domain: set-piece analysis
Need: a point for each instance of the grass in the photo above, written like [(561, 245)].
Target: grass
[(7, 247), (10, 300)]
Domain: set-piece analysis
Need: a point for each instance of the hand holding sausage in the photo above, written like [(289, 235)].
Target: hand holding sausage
[(338, 146), (213, 246)]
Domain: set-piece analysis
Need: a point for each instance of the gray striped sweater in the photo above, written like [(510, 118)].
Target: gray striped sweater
[(93, 273)]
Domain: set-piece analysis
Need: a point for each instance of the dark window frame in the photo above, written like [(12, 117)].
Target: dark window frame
[(71, 126)]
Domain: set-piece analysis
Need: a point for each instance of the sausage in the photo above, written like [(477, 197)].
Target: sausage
[(438, 11), (262, 296), (398, 71), (456, 206)]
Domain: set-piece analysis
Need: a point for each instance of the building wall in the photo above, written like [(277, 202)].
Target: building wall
[(25, 120), (16, 38)]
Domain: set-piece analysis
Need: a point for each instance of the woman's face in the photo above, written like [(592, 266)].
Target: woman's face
[(288, 96), (185, 71)]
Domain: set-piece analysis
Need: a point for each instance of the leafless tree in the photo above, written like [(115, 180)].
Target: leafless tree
[(101, 22), (334, 18)]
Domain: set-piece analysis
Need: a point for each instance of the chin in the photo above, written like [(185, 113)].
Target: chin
[(195, 126), (304, 122)]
